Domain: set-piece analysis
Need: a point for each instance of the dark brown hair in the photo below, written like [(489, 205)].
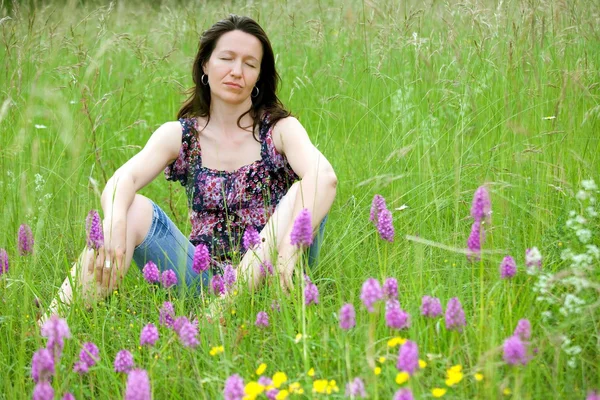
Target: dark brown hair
[(198, 102)]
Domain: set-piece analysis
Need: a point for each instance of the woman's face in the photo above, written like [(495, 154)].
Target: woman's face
[(234, 66)]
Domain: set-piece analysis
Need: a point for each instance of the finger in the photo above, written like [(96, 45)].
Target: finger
[(106, 271), (90, 260), (115, 277), (99, 265)]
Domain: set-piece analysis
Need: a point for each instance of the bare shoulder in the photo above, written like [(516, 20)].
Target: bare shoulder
[(288, 131), (168, 137)]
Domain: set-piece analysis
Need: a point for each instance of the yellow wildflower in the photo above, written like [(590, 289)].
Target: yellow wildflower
[(332, 387), (438, 392), (478, 377), (402, 377), (395, 341), (253, 390), (279, 379), (261, 369), (422, 364), (377, 370), (456, 368), (454, 375), (294, 387), (298, 338), (216, 350), (311, 372), (233, 312), (381, 360), (320, 386), (507, 392), (282, 395)]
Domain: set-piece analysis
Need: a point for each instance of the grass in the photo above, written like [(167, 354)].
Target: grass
[(421, 102)]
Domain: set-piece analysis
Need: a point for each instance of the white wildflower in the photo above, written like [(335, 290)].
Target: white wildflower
[(589, 185), (533, 257), (584, 235), (40, 126)]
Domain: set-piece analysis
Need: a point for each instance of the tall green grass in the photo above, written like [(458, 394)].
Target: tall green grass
[(421, 102)]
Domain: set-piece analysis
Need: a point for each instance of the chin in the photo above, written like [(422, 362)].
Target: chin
[(233, 98)]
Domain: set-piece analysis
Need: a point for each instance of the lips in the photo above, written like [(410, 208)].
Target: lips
[(233, 85)]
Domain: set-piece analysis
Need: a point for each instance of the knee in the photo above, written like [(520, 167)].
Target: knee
[(139, 216)]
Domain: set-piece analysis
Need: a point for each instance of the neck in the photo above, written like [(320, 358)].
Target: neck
[(224, 116)]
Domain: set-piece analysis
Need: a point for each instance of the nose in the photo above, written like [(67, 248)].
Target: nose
[(236, 69)]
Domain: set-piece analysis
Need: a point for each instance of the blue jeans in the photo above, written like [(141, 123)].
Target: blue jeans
[(168, 248)]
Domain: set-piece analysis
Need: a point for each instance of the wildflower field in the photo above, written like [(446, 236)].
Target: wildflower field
[(460, 258)]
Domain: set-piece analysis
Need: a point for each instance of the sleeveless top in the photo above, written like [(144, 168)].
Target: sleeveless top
[(222, 205)]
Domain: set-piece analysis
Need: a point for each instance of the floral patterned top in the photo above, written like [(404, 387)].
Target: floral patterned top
[(224, 204)]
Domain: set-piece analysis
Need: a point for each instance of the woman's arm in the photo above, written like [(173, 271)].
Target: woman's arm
[(317, 191), (119, 192)]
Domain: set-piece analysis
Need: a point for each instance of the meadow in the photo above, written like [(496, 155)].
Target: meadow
[(421, 102)]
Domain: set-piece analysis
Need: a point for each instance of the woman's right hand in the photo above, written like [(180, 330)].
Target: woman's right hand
[(110, 259)]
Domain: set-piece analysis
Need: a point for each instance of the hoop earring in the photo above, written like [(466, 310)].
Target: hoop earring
[(202, 79), (257, 92)]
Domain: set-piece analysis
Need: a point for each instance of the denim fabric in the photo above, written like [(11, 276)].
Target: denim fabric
[(168, 248)]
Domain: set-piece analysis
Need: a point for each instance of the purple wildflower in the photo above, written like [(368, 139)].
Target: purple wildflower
[(123, 361), (408, 357), (523, 329), (508, 268), (229, 276), (234, 388), (431, 307), (385, 225), (592, 395), (88, 357), (56, 330), (272, 394), (90, 354), (168, 278), (474, 242), (251, 238), (43, 391), (179, 322), (266, 268), (390, 288), (262, 319), (265, 381), (25, 240), (371, 293), (377, 206), (68, 396), (149, 335), (3, 262), (138, 385), (301, 235), (515, 351), (188, 335), (311, 292), (356, 388), (392, 303), (455, 316), (93, 227), (481, 207), (42, 365), (201, 259), (403, 394), (396, 318), (167, 314), (533, 258), (218, 285), (151, 272), (347, 316)]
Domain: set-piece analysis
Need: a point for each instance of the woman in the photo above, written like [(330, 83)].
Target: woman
[(245, 162)]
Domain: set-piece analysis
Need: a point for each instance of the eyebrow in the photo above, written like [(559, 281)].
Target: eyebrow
[(233, 52)]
